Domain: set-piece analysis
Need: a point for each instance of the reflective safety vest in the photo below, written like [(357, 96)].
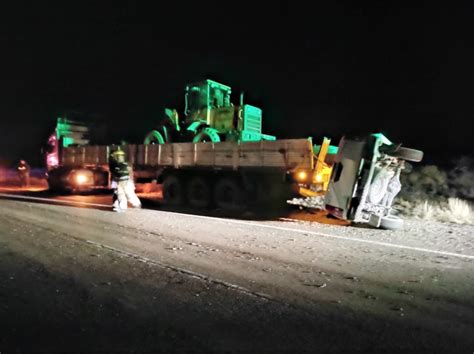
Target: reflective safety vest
[(119, 171)]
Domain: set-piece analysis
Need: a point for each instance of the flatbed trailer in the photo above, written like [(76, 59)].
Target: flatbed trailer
[(227, 175)]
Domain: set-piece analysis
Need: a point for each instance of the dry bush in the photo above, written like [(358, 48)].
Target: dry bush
[(426, 182), (461, 178), (433, 193), (432, 182), (459, 211), (451, 210)]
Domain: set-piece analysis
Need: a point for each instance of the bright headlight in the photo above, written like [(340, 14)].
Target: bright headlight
[(81, 178), (301, 176)]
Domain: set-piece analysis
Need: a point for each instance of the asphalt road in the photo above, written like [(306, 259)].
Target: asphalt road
[(75, 276)]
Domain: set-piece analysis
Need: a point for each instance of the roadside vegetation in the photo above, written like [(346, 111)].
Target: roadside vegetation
[(442, 194)]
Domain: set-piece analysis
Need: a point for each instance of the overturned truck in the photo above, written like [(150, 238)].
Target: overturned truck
[(366, 179)]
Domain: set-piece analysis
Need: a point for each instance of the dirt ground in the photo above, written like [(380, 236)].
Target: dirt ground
[(76, 279)]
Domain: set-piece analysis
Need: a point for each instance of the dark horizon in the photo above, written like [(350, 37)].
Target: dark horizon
[(335, 70)]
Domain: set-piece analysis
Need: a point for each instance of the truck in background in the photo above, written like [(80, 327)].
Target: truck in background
[(72, 130)]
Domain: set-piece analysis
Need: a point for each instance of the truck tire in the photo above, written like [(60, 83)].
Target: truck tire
[(173, 193), (408, 154), (55, 187), (391, 223), (199, 192), (207, 135), (55, 180), (229, 195)]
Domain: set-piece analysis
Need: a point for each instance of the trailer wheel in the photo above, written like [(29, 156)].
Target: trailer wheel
[(173, 193), (199, 192), (229, 195), (207, 135), (408, 154), (391, 223)]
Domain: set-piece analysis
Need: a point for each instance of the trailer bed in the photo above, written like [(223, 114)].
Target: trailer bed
[(287, 154)]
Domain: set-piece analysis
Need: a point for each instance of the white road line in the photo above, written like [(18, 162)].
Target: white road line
[(385, 244), (180, 270), (25, 197), (233, 221)]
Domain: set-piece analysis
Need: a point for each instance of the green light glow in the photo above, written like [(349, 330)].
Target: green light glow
[(67, 141), (383, 138)]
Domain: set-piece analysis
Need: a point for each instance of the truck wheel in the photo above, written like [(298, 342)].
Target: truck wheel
[(199, 193), (54, 187), (229, 194), (408, 154), (55, 183), (391, 223), (173, 193), (207, 135)]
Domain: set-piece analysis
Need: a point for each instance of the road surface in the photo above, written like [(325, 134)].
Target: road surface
[(76, 276)]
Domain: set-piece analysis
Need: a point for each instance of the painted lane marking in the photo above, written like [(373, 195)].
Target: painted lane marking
[(25, 197), (179, 270), (280, 228), (379, 243), (160, 264)]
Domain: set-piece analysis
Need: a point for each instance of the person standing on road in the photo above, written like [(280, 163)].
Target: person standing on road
[(122, 182), (23, 171)]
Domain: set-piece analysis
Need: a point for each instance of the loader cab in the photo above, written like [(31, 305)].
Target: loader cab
[(208, 107), (201, 98)]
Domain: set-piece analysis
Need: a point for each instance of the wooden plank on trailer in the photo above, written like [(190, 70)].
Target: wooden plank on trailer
[(183, 154), (103, 153), (223, 154), (130, 152), (151, 154), (167, 155), (91, 154), (204, 154), (141, 155), (285, 154)]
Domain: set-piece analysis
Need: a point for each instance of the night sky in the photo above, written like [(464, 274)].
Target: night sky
[(321, 70)]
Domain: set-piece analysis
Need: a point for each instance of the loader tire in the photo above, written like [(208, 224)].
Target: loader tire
[(154, 137), (207, 135)]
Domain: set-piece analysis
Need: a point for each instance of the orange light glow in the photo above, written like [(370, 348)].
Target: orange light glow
[(81, 179), (302, 175)]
